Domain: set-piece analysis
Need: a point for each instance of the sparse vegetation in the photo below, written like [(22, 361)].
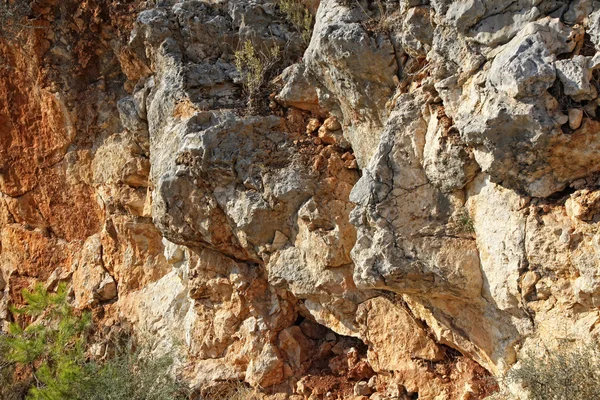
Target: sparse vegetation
[(464, 222), (299, 16), (382, 15), (52, 348), (128, 375), (564, 373), (51, 357), (230, 391), (14, 18), (255, 67)]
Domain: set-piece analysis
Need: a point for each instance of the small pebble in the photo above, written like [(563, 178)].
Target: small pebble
[(332, 124), (312, 126), (575, 117)]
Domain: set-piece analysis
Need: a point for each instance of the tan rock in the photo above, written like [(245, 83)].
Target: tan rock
[(575, 117), (313, 125), (393, 335), (91, 282), (583, 205), (295, 347), (267, 369), (332, 124), (326, 136)]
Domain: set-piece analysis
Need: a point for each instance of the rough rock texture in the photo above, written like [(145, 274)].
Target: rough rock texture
[(418, 208)]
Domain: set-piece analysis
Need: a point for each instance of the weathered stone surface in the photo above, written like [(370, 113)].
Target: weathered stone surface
[(297, 91), (575, 74), (91, 282), (393, 335), (426, 180), (353, 91)]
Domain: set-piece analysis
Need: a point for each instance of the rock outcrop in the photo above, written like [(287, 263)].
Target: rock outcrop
[(417, 208)]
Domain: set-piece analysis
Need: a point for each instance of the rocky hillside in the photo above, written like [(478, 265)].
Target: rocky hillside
[(409, 201)]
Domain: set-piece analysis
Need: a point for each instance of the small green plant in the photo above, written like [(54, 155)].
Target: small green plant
[(53, 346), (465, 223), (299, 16), (10, 389), (51, 353), (255, 66), (129, 375), (565, 373)]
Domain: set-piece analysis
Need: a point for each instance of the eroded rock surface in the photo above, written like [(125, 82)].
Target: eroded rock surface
[(418, 207)]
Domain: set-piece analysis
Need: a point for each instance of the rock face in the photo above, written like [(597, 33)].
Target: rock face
[(418, 208)]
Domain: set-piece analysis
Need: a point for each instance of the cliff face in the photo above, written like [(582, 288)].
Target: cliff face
[(418, 206)]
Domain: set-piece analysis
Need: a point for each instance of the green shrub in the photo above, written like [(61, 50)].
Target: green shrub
[(129, 375), (565, 373), (53, 347), (52, 351), (231, 390), (255, 66), (299, 16), (9, 388)]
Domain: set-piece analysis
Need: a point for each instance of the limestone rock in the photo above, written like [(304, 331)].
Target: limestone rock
[(297, 92), (390, 347), (362, 389), (267, 370), (353, 91), (413, 192), (583, 205), (575, 118), (575, 74), (91, 282), (524, 67)]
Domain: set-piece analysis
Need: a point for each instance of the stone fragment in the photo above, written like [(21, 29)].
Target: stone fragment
[(524, 66), (562, 119), (332, 124), (387, 346), (327, 136), (575, 74), (267, 369), (528, 282), (417, 31), (583, 205), (313, 125), (590, 109), (295, 347), (351, 90), (91, 282), (107, 289), (279, 240), (362, 389), (575, 117)]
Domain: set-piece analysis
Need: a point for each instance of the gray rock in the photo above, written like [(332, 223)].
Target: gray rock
[(417, 31), (593, 24), (354, 91), (575, 74), (524, 67), (297, 91)]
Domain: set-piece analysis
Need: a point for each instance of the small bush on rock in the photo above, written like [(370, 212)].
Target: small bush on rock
[(128, 375), (565, 373), (299, 16), (255, 67)]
